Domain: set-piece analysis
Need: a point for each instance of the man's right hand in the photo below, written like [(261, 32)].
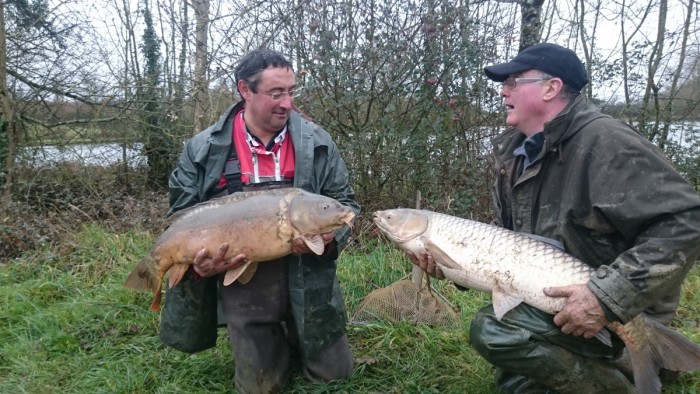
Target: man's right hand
[(427, 263), (206, 266)]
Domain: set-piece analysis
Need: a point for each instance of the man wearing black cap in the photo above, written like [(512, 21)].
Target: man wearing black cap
[(595, 187)]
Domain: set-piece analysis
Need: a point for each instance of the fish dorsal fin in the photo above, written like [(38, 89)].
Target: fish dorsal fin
[(503, 302), (315, 243), (186, 211), (247, 274), (214, 202), (235, 273), (175, 274)]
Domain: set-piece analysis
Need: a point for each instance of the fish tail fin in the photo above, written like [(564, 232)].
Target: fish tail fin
[(665, 349), (144, 276)]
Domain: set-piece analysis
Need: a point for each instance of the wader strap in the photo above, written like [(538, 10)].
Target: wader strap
[(232, 171), (269, 185)]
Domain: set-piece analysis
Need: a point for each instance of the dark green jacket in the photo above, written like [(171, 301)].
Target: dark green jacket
[(317, 303), (613, 200)]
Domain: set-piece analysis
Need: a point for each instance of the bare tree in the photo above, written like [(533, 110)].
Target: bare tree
[(398, 83), (588, 39), (626, 58), (200, 83), (667, 113), (650, 101), (531, 24), (39, 75), (8, 145)]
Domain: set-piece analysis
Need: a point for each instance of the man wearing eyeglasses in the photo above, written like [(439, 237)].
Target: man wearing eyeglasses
[(595, 187), (291, 305)]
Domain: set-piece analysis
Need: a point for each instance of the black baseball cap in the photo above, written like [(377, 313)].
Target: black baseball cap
[(553, 59)]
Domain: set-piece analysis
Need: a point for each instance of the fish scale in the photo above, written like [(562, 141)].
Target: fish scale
[(491, 258), (515, 268)]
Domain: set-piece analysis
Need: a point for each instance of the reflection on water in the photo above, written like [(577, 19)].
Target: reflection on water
[(85, 154)]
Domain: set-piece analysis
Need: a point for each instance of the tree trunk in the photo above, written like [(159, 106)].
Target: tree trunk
[(531, 22), (200, 88), (7, 123), (626, 41), (652, 88), (588, 49), (668, 111)]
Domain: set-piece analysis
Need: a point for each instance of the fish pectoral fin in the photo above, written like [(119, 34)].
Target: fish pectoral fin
[(417, 275), (604, 337), (176, 273), (439, 255), (235, 273), (248, 273), (503, 302), (315, 243)]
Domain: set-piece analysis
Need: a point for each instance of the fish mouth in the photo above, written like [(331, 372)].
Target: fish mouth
[(348, 218), (377, 219)]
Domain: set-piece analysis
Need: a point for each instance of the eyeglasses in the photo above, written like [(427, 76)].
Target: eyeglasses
[(276, 96), (512, 82)]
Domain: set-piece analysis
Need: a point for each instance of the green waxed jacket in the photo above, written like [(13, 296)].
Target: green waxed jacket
[(613, 200), (317, 303)]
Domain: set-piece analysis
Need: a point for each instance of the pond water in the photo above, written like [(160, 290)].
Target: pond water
[(85, 154), (686, 135)]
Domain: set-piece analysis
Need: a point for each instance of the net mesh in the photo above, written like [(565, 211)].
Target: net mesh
[(401, 301), (404, 301)]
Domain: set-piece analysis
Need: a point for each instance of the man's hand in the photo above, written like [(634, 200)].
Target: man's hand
[(206, 266), (582, 314), (299, 247), (427, 263)]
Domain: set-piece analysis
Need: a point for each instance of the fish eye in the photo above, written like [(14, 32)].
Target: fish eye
[(325, 206)]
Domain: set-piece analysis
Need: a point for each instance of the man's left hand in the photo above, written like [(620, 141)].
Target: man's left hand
[(299, 247), (582, 315)]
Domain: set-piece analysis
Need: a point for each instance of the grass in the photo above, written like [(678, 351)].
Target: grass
[(68, 325)]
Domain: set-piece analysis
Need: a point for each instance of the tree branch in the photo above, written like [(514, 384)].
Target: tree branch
[(67, 122), (52, 90)]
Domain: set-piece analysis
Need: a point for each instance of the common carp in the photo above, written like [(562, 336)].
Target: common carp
[(259, 224), (516, 268)]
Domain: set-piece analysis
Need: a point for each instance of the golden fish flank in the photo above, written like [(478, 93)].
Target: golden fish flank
[(260, 225), (516, 268)]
